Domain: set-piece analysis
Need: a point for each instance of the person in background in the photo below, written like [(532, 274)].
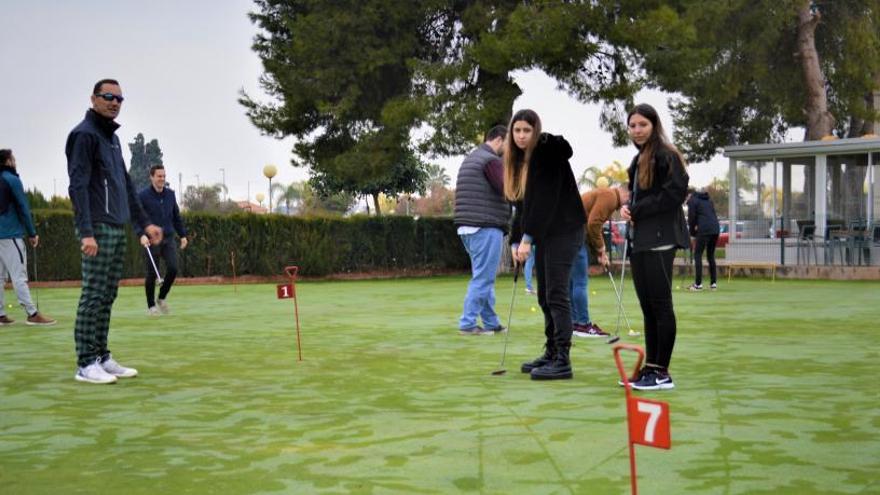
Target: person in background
[(658, 184), (599, 204), (528, 270), (549, 214), (161, 206), (15, 220), (481, 217), (704, 227), (104, 200)]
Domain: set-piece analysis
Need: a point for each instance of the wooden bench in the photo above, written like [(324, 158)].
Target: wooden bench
[(751, 264)]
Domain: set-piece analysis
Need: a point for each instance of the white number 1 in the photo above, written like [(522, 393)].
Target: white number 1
[(284, 291), (654, 410)]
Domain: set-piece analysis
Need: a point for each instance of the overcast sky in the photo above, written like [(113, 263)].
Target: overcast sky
[(181, 65)]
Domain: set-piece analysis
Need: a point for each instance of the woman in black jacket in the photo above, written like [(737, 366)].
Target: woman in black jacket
[(658, 181), (538, 178)]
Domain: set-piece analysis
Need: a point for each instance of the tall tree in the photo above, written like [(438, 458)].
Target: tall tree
[(143, 156), (764, 67), (288, 194), (207, 198), (353, 80)]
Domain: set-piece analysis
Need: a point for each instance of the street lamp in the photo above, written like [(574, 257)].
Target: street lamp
[(260, 197), (270, 171), (225, 191)]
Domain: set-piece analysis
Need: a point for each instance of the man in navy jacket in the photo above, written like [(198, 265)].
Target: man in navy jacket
[(161, 206), (104, 200), (703, 225)]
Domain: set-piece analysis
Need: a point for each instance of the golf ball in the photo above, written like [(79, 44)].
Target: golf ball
[(678, 287), (534, 309), (594, 293), (10, 306)]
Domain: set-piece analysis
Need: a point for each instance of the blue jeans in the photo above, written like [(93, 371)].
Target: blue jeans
[(484, 248), (580, 277)]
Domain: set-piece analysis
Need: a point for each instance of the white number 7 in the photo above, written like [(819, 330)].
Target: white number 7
[(654, 410)]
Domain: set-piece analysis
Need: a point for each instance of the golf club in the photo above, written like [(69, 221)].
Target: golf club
[(620, 309), (150, 254), (501, 370)]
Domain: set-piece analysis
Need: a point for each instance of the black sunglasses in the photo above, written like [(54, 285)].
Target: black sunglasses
[(110, 97)]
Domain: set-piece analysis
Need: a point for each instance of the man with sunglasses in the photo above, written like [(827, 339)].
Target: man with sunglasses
[(104, 200)]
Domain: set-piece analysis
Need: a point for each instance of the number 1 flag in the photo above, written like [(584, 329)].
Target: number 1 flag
[(284, 291)]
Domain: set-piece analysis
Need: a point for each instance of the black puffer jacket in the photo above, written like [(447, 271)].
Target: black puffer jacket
[(552, 203), (702, 219), (657, 213)]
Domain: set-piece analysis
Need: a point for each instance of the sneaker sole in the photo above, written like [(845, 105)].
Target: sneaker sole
[(584, 335), (49, 324), (125, 375), (99, 382), (663, 386)]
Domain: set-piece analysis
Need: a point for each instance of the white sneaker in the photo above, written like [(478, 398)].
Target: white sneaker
[(153, 311), (94, 373), (115, 369), (163, 306)]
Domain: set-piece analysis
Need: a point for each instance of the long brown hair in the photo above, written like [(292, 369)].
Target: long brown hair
[(656, 141), (516, 161)]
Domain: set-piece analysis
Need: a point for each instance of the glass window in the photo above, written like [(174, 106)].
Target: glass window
[(846, 193)]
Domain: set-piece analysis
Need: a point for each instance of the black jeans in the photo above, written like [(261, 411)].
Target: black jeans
[(554, 257), (168, 251), (652, 278), (705, 242)]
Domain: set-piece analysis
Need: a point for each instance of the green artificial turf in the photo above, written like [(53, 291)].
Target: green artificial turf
[(776, 393)]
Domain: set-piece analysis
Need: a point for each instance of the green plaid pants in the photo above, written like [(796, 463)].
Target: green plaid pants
[(100, 283)]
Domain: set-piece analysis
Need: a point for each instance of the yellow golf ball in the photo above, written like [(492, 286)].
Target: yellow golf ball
[(10, 305), (534, 309), (594, 293)]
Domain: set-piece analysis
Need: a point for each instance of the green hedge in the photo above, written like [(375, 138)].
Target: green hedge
[(265, 244)]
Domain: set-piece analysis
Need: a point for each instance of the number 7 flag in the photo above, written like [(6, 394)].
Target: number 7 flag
[(649, 422)]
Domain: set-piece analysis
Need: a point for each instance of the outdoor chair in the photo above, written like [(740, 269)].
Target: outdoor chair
[(806, 243), (860, 243), (835, 243)]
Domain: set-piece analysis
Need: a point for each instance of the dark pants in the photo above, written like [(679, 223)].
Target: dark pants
[(100, 283), (554, 257), (705, 242), (167, 251), (652, 272)]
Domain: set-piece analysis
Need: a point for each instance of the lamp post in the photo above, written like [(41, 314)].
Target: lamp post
[(270, 171), (225, 191), (260, 196)]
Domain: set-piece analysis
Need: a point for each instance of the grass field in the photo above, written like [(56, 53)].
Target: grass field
[(776, 394)]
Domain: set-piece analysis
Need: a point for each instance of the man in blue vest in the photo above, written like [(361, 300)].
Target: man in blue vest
[(482, 216), (161, 206)]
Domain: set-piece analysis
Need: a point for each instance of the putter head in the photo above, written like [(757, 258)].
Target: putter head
[(613, 339), (499, 372)]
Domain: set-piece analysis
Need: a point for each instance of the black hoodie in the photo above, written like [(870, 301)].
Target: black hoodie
[(702, 219)]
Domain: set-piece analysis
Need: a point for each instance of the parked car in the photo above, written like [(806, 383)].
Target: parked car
[(724, 236)]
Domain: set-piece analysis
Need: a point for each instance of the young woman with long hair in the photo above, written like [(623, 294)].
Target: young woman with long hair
[(658, 182), (549, 214)]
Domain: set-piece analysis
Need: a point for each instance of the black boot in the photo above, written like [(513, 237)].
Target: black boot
[(546, 358), (557, 369)]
